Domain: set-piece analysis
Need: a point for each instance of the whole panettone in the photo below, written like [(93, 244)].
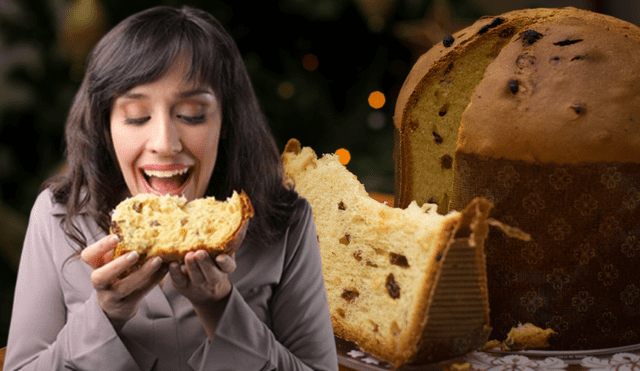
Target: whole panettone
[(538, 111)]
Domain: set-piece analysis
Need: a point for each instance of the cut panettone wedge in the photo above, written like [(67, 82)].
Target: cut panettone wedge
[(406, 285)]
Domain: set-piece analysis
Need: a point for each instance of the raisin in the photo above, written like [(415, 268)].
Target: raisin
[(413, 125), (392, 287), (369, 263), (358, 255), (495, 23), (579, 108), (567, 42), (531, 36), (399, 260), (443, 110), (446, 162), (346, 239), (513, 86), (137, 207), (437, 138), (155, 223), (439, 257), (554, 60), (448, 40), (115, 228), (350, 295), (341, 206), (184, 221), (578, 57)]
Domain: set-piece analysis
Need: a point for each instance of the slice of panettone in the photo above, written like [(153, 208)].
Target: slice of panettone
[(406, 285), (169, 226)]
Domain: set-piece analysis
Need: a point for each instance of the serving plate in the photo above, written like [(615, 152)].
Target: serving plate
[(350, 356), (569, 355)]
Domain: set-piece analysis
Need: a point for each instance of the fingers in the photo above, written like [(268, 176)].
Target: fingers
[(119, 297), (178, 277), (104, 276), (143, 279), (226, 263), (199, 268), (101, 252)]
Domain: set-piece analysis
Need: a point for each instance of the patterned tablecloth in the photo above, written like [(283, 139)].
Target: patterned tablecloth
[(614, 359)]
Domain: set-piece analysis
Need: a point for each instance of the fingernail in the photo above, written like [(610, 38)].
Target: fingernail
[(132, 256), (156, 261), (116, 238)]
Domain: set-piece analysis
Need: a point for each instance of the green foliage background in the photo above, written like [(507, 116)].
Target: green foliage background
[(327, 111)]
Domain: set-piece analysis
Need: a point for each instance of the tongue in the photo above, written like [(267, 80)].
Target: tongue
[(166, 185)]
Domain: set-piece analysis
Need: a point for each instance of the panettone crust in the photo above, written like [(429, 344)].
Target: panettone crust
[(574, 96), (438, 90)]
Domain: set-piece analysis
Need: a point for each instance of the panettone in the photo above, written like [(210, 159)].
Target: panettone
[(407, 285), (538, 111), (169, 226)]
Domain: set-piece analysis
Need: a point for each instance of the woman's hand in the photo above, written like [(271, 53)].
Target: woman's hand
[(119, 297), (205, 282), (203, 278)]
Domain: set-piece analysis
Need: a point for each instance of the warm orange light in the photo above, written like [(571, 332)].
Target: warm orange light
[(286, 90), (344, 155), (376, 99), (310, 62)]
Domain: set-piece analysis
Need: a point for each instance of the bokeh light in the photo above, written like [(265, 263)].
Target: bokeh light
[(310, 62), (344, 155), (286, 90), (377, 99), (376, 120)]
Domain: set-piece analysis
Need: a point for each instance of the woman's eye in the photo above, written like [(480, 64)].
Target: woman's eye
[(192, 119), (136, 120)]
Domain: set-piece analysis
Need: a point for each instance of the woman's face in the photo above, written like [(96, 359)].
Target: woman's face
[(166, 133)]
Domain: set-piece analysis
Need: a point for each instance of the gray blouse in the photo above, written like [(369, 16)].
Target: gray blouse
[(277, 317)]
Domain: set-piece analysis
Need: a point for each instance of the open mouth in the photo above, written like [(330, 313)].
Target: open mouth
[(166, 181)]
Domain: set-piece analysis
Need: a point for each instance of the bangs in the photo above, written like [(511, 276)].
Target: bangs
[(143, 49)]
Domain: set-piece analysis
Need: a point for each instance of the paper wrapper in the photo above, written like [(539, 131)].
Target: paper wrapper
[(580, 273)]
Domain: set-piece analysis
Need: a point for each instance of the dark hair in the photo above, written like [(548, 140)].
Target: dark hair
[(139, 50)]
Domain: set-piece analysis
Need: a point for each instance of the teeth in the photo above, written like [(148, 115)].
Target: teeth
[(165, 174)]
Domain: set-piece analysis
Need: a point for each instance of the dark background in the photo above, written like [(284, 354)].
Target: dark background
[(361, 46)]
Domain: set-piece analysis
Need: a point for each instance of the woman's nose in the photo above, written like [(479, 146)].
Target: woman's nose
[(164, 136)]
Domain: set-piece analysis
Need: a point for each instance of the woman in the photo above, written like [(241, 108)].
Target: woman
[(166, 106)]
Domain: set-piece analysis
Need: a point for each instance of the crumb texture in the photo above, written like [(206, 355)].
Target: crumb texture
[(169, 226)]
